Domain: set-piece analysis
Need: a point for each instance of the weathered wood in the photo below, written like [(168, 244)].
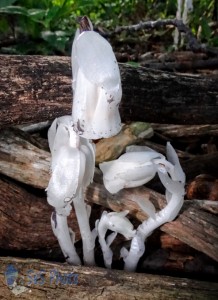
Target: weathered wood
[(46, 280), (201, 164), (16, 201), (25, 219), (203, 187), (25, 225), (169, 255), (38, 88), (112, 148), (177, 131), (197, 227), (23, 160), (201, 226)]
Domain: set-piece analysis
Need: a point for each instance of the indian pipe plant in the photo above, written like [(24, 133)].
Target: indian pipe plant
[(97, 93)]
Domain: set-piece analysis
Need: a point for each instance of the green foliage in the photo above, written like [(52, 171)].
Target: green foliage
[(48, 26), (202, 19)]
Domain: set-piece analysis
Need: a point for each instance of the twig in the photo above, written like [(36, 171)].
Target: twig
[(194, 45), (182, 66)]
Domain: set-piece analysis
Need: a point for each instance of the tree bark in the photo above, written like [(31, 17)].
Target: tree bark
[(38, 88), (23, 160), (178, 131), (44, 280), (25, 219)]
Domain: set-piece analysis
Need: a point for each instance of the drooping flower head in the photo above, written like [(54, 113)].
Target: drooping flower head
[(96, 84), (73, 162)]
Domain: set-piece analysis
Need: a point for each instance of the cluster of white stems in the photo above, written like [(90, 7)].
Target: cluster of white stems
[(97, 94)]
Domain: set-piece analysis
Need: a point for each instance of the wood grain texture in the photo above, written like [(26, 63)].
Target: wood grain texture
[(25, 219), (24, 161), (96, 283), (38, 88)]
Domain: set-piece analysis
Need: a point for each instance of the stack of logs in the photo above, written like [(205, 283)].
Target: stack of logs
[(37, 89)]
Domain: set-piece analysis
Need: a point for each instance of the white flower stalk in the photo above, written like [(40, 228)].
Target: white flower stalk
[(174, 196), (96, 85), (72, 169), (135, 168), (131, 169), (116, 222), (65, 236)]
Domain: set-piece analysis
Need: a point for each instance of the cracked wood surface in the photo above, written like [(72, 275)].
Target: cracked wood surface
[(38, 88), (23, 160), (45, 280)]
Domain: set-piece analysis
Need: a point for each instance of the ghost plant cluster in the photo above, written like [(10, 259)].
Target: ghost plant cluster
[(97, 93)]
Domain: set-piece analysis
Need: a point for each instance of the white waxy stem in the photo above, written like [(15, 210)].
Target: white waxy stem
[(174, 195), (85, 231), (132, 256), (131, 169), (96, 85), (177, 173), (73, 164), (66, 238), (116, 222)]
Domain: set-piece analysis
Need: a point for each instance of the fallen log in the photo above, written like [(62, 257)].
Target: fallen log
[(40, 280), (24, 159), (25, 226), (38, 88), (25, 219), (25, 162), (177, 131)]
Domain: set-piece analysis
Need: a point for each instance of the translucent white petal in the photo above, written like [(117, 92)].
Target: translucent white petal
[(66, 120), (88, 210), (139, 157), (106, 118), (168, 196), (51, 134), (74, 61), (84, 102), (96, 60), (88, 148), (65, 137), (124, 252), (111, 237), (95, 111), (137, 173), (97, 87), (66, 177), (114, 186), (145, 205), (117, 222), (118, 175), (174, 187), (178, 173), (128, 171), (131, 184), (136, 148)]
